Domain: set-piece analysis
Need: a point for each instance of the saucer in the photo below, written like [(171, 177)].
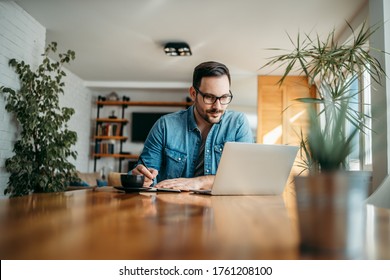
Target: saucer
[(143, 189), (131, 190)]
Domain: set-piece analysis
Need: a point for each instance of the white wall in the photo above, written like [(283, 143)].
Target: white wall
[(244, 89), (23, 38), (379, 13), (78, 97)]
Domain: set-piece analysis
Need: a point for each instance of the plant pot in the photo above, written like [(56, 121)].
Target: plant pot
[(331, 212)]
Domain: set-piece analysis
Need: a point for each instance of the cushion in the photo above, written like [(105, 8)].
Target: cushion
[(114, 179), (89, 178), (79, 184), (101, 183)]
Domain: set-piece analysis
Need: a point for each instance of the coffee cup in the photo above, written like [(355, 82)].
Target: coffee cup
[(132, 180)]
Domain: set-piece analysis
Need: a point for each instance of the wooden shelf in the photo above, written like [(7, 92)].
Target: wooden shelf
[(132, 156), (144, 103), (108, 120), (121, 122), (122, 138)]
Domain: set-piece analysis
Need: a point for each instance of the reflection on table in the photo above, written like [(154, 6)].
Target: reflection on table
[(108, 224)]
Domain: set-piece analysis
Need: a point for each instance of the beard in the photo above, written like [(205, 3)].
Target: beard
[(211, 116)]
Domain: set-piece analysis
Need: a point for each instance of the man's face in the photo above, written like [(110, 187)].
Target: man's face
[(211, 87)]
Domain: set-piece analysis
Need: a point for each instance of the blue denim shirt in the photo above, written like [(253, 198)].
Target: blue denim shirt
[(173, 143)]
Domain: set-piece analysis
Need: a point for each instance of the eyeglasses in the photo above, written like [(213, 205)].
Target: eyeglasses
[(211, 99)]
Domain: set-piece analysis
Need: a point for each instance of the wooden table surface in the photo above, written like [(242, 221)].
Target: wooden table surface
[(107, 224)]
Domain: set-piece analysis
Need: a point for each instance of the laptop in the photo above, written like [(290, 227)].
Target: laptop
[(252, 169)]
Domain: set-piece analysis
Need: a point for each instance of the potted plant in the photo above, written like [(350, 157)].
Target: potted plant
[(40, 161), (325, 197)]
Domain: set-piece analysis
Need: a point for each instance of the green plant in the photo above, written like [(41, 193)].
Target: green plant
[(40, 161), (333, 68)]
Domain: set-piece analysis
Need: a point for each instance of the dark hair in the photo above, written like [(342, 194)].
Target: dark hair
[(209, 69)]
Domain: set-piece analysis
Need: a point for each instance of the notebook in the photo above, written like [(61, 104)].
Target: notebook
[(252, 169)]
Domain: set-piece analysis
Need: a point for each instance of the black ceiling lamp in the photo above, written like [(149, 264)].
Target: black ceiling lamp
[(177, 49)]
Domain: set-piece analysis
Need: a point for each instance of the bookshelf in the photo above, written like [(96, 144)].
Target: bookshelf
[(108, 138)]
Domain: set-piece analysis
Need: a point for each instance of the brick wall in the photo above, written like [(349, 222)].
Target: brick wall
[(23, 38), (79, 98)]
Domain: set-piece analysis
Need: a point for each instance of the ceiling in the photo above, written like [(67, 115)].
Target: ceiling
[(122, 40)]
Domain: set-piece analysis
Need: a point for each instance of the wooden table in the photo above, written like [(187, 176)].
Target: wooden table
[(107, 224)]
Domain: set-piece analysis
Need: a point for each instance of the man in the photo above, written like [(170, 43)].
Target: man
[(183, 149)]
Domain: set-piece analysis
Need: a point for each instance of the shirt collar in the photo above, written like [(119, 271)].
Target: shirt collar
[(191, 119)]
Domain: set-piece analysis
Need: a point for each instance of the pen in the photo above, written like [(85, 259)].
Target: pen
[(151, 186), (143, 162)]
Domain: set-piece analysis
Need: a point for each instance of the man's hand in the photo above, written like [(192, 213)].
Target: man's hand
[(186, 184), (149, 173)]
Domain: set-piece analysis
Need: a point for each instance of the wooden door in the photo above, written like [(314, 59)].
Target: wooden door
[(280, 117)]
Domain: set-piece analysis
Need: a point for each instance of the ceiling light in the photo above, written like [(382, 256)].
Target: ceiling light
[(177, 49)]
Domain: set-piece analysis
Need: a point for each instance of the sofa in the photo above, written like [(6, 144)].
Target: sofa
[(87, 180), (94, 179)]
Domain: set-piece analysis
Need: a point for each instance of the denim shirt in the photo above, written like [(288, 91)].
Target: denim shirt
[(173, 144)]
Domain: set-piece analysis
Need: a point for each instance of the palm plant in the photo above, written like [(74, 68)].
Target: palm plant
[(333, 68)]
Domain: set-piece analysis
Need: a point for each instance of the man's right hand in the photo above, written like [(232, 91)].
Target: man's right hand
[(149, 173)]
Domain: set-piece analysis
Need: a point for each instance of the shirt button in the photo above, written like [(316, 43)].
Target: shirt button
[(179, 159), (208, 151), (207, 170)]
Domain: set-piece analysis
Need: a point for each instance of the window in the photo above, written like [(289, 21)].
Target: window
[(367, 137), (361, 156)]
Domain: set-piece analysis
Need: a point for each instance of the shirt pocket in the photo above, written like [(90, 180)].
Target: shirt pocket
[(218, 149), (175, 163)]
